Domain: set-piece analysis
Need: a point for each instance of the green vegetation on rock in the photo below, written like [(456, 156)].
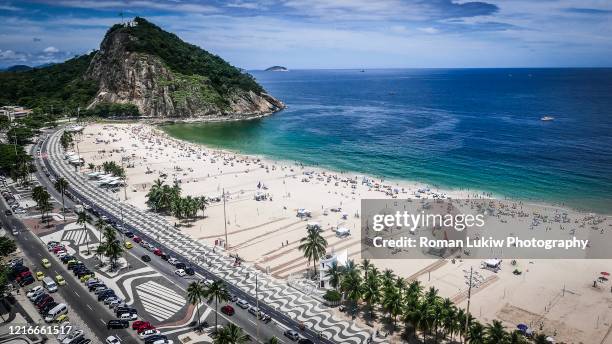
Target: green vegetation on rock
[(187, 59), (59, 86)]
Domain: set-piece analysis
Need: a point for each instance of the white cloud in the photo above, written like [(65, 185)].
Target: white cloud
[(51, 50), (10, 55), (430, 30)]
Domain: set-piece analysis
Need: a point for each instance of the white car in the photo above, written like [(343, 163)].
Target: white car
[(62, 255), (148, 333), (207, 282), (173, 261), (72, 336), (163, 341), (180, 272), (33, 291), (242, 304), (113, 340), (128, 316)]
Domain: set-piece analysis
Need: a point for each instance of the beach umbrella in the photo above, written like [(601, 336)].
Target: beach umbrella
[(550, 339), (605, 273), (522, 327)]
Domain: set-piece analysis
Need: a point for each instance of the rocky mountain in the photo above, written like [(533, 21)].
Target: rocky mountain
[(141, 65), (277, 69), (163, 76)]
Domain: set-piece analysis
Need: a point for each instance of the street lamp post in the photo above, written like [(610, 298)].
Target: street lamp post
[(473, 281)]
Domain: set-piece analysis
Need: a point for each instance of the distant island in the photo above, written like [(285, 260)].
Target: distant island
[(277, 69)]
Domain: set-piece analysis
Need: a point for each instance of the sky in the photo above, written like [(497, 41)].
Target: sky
[(305, 34)]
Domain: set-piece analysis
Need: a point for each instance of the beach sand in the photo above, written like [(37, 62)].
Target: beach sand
[(556, 295)]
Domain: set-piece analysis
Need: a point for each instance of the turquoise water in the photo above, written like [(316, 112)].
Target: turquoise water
[(474, 128)]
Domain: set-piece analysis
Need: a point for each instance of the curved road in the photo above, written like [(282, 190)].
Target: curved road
[(285, 304)]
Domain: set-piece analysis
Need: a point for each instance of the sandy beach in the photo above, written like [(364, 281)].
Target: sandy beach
[(555, 295)]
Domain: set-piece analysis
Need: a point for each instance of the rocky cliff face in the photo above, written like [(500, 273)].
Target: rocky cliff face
[(145, 80)]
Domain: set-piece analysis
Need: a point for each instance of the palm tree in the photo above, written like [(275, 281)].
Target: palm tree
[(335, 275), (387, 278), (313, 246), (415, 313), (392, 302), (195, 293), (231, 334), (366, 265), (202, 203), (82, 220), (516, 337), (217, 292), (91, 166), (371, 292), (351, 283), (495, 332), (476, 333), (540, 339), (273, 340), (61, 185), (449, 318)]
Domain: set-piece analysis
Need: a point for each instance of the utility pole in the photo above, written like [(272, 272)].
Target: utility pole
[(473, 280), (77, 141), (257, 302), (225, 220), (467, 312)]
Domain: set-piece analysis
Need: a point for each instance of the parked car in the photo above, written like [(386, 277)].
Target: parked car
[(180, 272), (117, 324), (146, 258), (242, 304), (189, 271), (113, 340), (128, 316), (227, 309), (136, 325), (148, 333), (254, 310)]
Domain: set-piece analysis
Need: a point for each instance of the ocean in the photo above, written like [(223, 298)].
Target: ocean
[(479, 129)]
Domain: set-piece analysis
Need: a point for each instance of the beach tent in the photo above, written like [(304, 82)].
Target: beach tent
[(492, 263), (343, 231), (313, 225)]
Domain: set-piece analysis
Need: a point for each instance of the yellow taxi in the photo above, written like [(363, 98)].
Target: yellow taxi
[(45, 263), (40, 275), (60, 319), (60, 280), (86, 278), (128, 245)]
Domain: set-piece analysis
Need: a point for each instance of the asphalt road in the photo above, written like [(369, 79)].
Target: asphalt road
[(241, 318), (79, 299)]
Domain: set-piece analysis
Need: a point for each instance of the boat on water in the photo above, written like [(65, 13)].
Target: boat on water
[(547, 118)]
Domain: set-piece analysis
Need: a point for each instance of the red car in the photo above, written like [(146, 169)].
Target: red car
[(22, 275), (157, 252), (136, 239), (227, 309), (58, 248), (137, 325)]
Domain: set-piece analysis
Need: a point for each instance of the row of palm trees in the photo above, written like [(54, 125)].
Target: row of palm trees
[(165, 198), (419, 310)]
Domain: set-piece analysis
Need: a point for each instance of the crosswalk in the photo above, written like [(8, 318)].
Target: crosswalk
[(77, 236), (160, 302)]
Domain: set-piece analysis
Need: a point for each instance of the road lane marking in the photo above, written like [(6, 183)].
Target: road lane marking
[(75, 293), (103, 321)]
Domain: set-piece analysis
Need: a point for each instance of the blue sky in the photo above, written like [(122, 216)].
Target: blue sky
[(329, 33)]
